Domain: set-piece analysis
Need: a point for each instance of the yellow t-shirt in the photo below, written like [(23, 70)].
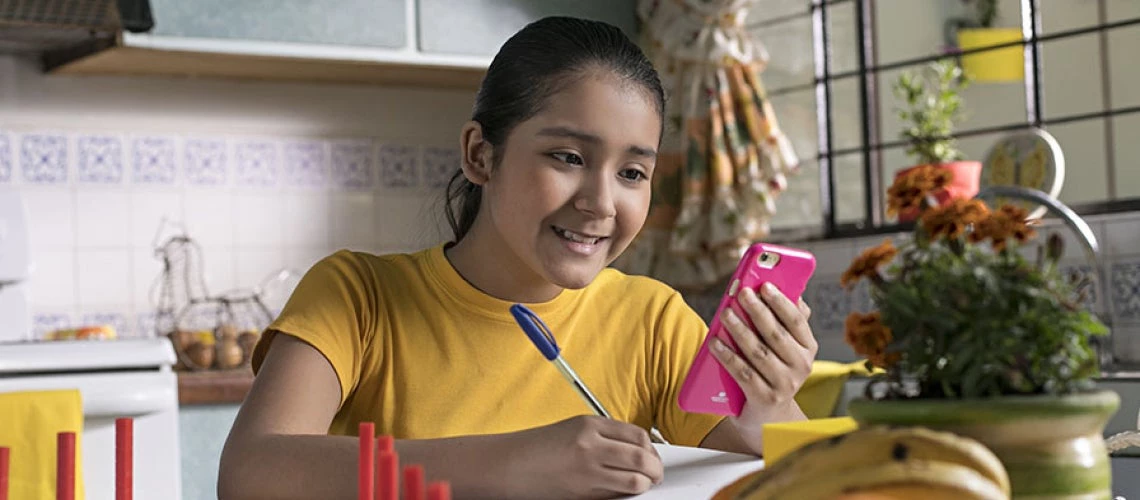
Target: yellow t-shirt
[(423, 354)]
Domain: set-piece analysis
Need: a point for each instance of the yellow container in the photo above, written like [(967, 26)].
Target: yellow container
[(785, 437), (1000, 65)]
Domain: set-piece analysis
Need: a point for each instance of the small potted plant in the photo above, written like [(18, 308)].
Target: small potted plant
[(931, 104), (971, 336), (977, 32)]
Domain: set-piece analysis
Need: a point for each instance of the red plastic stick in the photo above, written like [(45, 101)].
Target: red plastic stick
[(124, 458), (3, 473), (439, 490), (385, 443), (414, 482), (65, 466), (387, 476), (367, 448)]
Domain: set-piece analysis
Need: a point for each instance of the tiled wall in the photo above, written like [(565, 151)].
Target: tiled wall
[(1118, 236), (255, 204), (263, 176)]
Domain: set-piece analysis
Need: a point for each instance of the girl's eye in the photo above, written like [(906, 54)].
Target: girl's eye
[(633, 174), (570, 158)]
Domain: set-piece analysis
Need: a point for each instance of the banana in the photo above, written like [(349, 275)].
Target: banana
[(872, 446), (966, 483)]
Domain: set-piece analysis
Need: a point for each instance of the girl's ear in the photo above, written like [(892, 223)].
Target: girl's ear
[(476, 151)]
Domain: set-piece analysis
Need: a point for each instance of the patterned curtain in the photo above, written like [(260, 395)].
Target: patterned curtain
[(723, 158)]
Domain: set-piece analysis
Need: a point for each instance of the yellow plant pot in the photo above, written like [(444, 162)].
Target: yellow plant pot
[(1001, 65)]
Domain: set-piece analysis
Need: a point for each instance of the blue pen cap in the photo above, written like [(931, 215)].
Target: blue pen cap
[(537, 330)]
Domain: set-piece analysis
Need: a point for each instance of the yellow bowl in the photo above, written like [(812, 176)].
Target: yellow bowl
[(782, 438)]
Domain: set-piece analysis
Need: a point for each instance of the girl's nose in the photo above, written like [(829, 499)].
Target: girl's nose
[(596, 198)]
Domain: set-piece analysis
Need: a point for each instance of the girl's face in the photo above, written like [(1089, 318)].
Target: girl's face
[(572, 188)]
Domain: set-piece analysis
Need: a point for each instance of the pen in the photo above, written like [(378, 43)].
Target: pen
[(543, 339)]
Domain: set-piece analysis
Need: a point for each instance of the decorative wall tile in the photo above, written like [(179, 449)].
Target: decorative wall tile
[(829, 302), (352, 164), (145, 324), (205, 162), (43, 159), (5, 157), (153, 160), (1075, 273), (100, 160), (398, 167), (1126, 290), (44, 323), (118, 321), (305, 164), (256, 164), (439, 164)]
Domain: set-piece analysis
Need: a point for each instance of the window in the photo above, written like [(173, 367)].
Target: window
[(830, 74)]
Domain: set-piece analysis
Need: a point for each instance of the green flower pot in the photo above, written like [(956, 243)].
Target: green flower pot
[(1051, 446)]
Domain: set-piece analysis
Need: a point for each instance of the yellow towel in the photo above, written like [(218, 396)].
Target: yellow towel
[(29, 422), (820, 392)]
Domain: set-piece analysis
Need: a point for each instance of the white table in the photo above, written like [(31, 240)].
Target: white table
[(697, 473)]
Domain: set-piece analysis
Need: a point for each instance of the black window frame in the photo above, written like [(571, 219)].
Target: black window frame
[(872, 145)]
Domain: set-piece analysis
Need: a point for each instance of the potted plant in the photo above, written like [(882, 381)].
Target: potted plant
[(930, 106), (973, 337), (978, 31)]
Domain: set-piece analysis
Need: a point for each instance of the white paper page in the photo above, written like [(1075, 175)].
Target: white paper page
[(695, 473)]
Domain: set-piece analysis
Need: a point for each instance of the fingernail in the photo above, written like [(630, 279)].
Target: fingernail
[(749, 295), (719, 346), (770, 290), (729, 316)]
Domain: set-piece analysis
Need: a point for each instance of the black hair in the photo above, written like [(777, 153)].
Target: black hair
[(531, 66)]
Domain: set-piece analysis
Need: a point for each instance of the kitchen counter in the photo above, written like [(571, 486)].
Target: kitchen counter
[(213, 387)]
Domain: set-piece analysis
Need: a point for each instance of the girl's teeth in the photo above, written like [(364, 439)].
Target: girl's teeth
[(577, 238)]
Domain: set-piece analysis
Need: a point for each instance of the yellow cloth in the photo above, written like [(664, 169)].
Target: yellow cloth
[(29, 422), (423, 354), (820, 392)]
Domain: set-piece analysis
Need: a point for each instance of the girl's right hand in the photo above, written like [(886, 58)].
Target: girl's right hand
[(584, 457)]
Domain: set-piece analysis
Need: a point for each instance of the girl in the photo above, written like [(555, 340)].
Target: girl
[(554, 184)]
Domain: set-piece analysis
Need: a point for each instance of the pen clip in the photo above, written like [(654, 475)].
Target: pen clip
[(537, 330)]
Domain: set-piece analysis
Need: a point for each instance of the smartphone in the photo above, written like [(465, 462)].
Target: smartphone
[(708, 387)]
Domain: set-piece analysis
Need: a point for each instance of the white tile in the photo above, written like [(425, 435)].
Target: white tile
[(210, 217), (1122, 235), (255, 266), (412, 222), (831, 257), (104, 277), (257, 220), (51, 217), (102, 218), (307, 220), (53, 279), (301, 259), (218, 269), (354, 216), (146, 278), (148, 211)]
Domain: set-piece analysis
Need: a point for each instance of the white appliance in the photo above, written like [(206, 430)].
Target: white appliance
[(116, 378), (15, 268)]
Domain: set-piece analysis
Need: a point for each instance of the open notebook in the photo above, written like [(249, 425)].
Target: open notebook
[(695, 473)]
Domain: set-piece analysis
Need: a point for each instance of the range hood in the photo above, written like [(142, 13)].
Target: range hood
[(57, 27)]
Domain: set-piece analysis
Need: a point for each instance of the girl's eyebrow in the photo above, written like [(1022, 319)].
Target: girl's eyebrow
[(589, 138)]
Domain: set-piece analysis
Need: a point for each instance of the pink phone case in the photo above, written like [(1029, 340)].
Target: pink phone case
[(709, 388)]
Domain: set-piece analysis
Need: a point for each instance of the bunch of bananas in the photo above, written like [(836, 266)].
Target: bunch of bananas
[(879, 463)]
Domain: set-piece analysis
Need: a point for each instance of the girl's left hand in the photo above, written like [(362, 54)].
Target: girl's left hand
[(776, 357)]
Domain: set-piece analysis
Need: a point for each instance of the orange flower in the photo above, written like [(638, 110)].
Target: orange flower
[(910, 189), (869, 337), (950, 220), (1008, 222), (867, 264)]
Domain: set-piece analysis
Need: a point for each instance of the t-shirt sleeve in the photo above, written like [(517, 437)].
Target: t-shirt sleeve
[(679, 333), (333, 309)]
